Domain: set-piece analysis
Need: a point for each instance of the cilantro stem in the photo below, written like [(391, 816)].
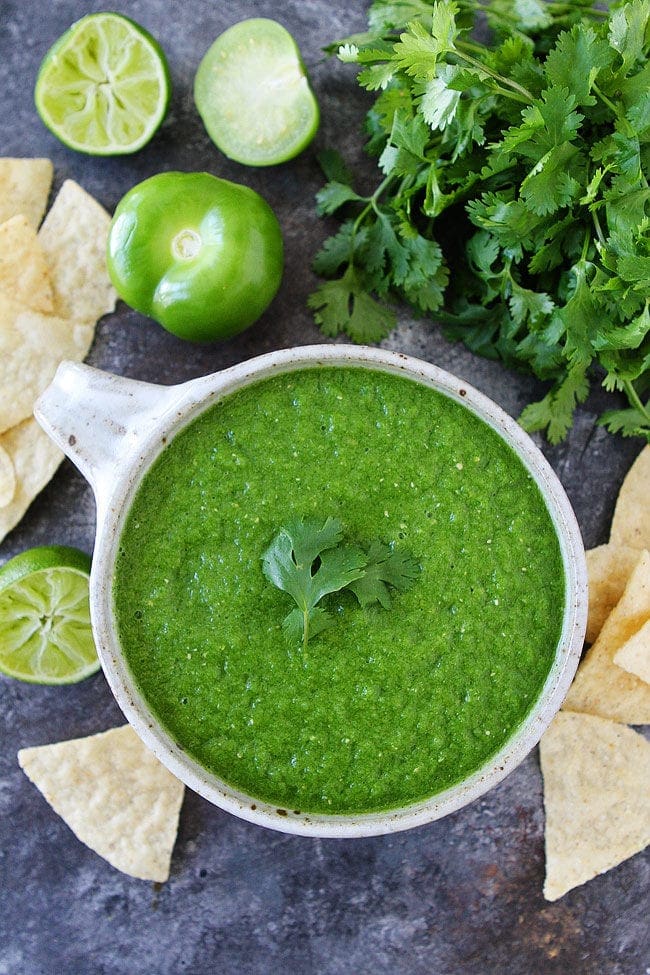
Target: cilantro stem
[(370, 205), (557, 9), (599, 229), (471, 46), (523, 93), (498, 90), (380, 189), (562, 8), (635, 400), (626, 128), (605, 100), (355, 229)]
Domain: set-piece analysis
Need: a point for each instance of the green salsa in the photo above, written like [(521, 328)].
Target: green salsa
[(385, 707)]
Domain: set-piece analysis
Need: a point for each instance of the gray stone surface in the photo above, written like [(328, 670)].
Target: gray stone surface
[(458, 897)]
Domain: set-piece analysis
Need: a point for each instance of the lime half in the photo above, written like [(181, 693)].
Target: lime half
[(104, 87), (45, 634), (252, 92)]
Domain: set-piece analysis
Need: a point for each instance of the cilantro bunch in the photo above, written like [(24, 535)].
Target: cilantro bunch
[(513, 205)]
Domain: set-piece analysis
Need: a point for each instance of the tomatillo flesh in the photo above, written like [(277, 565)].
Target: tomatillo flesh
[(199, 254)]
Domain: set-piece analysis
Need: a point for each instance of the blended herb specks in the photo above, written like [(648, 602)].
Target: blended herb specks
[(386, 706)]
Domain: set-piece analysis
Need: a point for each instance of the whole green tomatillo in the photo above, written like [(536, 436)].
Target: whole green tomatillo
[(201, 255)]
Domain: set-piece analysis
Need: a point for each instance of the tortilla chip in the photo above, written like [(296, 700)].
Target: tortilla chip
[(609, 567), (114, 795), (24, 275), (602, 688), (596, 796), (7, 479), (631, 521), (634, 656), (31, 347), (24, 188), (35, 458), (73, 237)]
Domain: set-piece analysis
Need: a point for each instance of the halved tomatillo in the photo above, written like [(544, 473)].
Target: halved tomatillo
[(252, 92)]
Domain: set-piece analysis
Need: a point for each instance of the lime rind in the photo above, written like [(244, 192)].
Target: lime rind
[(45, 632), (253, 95), (43, 557), (104, 87)]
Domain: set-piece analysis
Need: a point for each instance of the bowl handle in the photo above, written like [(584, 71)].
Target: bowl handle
[(97, 419)]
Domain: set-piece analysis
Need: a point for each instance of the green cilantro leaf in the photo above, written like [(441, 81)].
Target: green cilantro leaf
[(387, 15), (386, 568), (344, 305), (628, 30), (377, 77), (337, 249), (554, 413), (628, 336), (426, 274), (383, 247), (550, 185), (575, 62), (404, 153), (530, 14), (309, 560), (629, 423), (418, 49), (334, 167), (526, 305), (439, 101), (333, 195)]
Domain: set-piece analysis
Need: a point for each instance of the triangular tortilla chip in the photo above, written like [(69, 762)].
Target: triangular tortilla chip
[(24, 274), (35, 458), (596, 796), (74, 236), (608, 567), (24, 188), (7, 478), (114, 795), (631, 521), (600, 687), (634, 656), (31, 347)]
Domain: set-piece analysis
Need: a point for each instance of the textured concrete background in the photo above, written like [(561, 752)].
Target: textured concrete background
[(458, 897)]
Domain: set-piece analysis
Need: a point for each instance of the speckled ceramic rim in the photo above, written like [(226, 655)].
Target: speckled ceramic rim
[(114, 461)]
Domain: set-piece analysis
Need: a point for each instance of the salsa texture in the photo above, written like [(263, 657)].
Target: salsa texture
[(386, 707)]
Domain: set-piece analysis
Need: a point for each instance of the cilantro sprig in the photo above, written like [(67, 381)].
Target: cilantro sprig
[(513, 204), (309, 559)]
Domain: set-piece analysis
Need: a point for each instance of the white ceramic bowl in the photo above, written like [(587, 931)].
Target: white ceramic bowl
[(112, 428)]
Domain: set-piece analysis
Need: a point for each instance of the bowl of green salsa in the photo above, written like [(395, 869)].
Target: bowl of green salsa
[(336, 590)]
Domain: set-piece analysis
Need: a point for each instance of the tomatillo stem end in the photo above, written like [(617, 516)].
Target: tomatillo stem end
[(186, 244)]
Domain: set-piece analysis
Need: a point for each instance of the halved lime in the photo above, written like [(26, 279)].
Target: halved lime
[(104, 86), (252, 92), (45, 634)]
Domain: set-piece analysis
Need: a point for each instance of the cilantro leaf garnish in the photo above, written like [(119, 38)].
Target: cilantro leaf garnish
[(308, 559), (519, 164), (385, 568)]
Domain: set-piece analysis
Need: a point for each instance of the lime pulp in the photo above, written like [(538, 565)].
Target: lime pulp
[(104, 86), (45, 631)]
